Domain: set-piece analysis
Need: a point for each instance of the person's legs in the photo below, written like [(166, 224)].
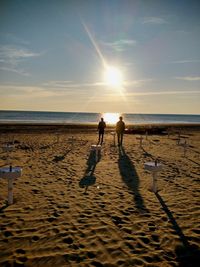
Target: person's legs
[(99, 137), (118, 138), (121, 139), (102, 138)]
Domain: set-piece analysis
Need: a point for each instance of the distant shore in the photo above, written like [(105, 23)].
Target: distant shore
[(60, 127)]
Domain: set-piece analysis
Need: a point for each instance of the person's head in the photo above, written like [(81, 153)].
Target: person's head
[(101, 119), (120, 118)]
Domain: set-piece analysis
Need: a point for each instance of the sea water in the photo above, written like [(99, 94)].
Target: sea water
[(93, 118)]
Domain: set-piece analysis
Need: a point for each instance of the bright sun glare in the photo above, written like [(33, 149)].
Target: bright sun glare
[(111, 118), (113, 76)]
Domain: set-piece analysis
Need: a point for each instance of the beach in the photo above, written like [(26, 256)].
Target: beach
[(71, 209)]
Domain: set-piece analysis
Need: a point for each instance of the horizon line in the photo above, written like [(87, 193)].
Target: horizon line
[(93, 112)]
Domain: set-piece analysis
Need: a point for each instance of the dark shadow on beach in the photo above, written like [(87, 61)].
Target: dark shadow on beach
[(58, 158), (130, 178), (193, 150), (3, 207), (194, 161), (147, 154), (187, 255), (173, 221), (89, 178)]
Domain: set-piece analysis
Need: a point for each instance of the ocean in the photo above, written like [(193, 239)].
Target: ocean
[(92, 118)]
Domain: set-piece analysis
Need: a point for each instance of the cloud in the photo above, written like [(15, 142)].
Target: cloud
[(48, 89), (189, 78), (12, 56), (186, 61), (120, 45), (137, 83), (9, 90), (154, 20), (161, 93), (63, 85), (15, 70), (9, 37), (71, 84)]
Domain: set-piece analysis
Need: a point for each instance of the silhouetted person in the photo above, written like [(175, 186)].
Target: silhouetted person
[(101, 127), (120, 128)]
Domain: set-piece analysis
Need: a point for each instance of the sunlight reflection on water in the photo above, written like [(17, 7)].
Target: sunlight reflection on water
[(110, 118)]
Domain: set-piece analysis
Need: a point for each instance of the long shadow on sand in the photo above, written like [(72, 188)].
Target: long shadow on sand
[(3, 207), (131, 179), (194, 161), (89, 178), (173, 221), (147, 154), (187, 255)]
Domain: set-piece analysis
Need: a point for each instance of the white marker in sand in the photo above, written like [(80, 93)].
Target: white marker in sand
[(8, 148), (113, 134), (146, 133), (168, 133), (10, 173), (71, 140), (57, 137), (185, 146), (140, 138), (154, 168), (97, 149), (179, 139)]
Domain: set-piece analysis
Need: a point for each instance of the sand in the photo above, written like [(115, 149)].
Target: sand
[(70, 210)]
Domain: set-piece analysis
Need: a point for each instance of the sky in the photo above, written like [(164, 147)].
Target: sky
[(54, 55)]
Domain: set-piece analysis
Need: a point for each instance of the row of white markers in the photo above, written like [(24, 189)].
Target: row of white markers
[(11, 173)]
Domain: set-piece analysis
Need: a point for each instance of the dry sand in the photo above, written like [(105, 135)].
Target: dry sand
[(71, 211)]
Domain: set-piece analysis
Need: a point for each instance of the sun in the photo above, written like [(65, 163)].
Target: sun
[(111, 118), (113, 76)]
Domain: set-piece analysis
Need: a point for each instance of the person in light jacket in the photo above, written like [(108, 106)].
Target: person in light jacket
[(120, 128)]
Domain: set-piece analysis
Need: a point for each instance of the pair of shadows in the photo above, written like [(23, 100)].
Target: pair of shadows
[(89, 178), (131, 179)]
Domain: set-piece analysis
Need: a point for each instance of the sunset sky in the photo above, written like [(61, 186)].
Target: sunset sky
[(54, 55)]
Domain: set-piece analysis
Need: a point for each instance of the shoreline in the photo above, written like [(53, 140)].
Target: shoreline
[(60, 127)]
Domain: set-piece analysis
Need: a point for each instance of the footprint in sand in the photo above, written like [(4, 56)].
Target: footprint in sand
[(8, 234), (152, 226), (121, 195), (117, 220), (125, 213), (35, 238), (96, 264), (51, 219), (91, 255), (102, 206), (155, 238), (145, 240), (20, 261), (20, 251), (56, 214), (68, 240)]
